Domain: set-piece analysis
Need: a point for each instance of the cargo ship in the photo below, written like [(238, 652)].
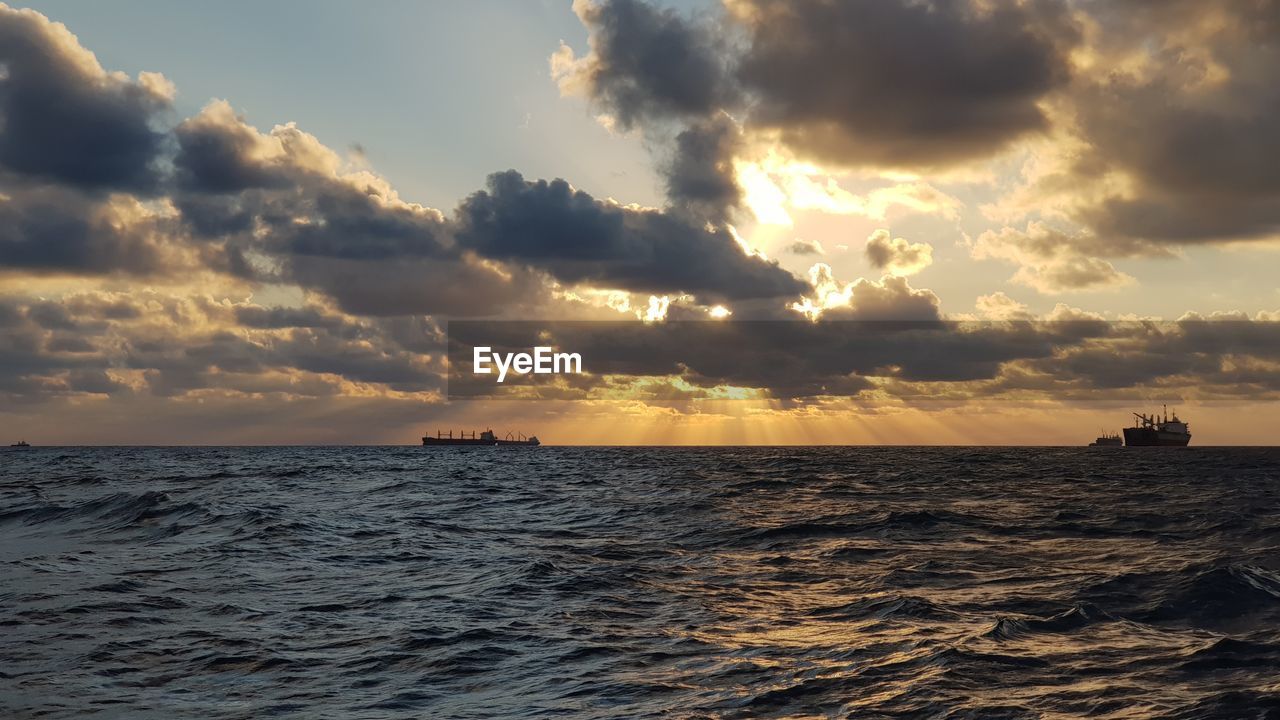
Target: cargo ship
[(488, 437), (1107, 439), (1156, 431)]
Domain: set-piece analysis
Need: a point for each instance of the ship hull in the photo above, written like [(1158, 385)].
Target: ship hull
[(1149, 437), (474, 442)]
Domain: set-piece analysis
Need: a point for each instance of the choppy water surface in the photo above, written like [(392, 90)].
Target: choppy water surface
[(509, 582)]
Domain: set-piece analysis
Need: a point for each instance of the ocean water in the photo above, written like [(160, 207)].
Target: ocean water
[(409, 582)]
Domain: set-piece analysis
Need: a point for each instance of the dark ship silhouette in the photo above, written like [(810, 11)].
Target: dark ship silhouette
[(488, 437), (1107, 439), (1155, 431)]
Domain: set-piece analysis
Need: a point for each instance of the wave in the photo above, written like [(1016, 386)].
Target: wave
[(1076, 618), (1200, 595), (641, 582)]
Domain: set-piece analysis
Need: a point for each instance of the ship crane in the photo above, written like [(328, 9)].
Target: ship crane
[(486, 438), (1158, 429)]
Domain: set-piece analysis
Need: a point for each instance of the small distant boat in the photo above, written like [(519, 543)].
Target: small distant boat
[(21, 443), (488, 437), (1107, 439)]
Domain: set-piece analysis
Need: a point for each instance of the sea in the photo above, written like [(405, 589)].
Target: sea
[(719, 582)]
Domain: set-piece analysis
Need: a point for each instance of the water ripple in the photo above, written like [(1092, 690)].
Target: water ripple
[(602, 583)]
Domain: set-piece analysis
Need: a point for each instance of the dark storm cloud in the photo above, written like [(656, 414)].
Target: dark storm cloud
[(1231, 357), (53, 348), (415, 333), (325, 218), (54, 230), (352, 223), (281, 196), (389, 288), (363, 358), (647, 62), (203, 360), (1184, 106), (1179, 99), (51, 316), (69, 343), (380, 364), (217, 156), (1129, 21), (104, 306), (40, 345), (700, 175), (64, 120), (78, 172), (902, 83), (882, 82), (11, 314), (1204, 173), (214, 216), (74, 142), (285, 187), (96, 343), (576, 238), (379, 256)]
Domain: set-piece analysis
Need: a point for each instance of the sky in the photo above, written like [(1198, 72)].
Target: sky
[(249, 223)]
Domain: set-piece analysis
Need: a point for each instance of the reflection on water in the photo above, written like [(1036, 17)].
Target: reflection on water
[(486, 582)]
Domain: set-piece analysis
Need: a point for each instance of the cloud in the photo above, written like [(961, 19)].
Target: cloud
[(918, 83), (168, 345), (645, 63), (1166, 134), (284, 197), (99, 181), (892, 298), (51, 230), (125, 346), (1154, 123), (1050, 261), (1072, 273), (80, 159), (1200, 170), (578, 239), (805, 247), (923, 360), (219, 152), (700, 174), (897, 256), (390, 287), (999, 306), (256, 316), (65, 120)]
